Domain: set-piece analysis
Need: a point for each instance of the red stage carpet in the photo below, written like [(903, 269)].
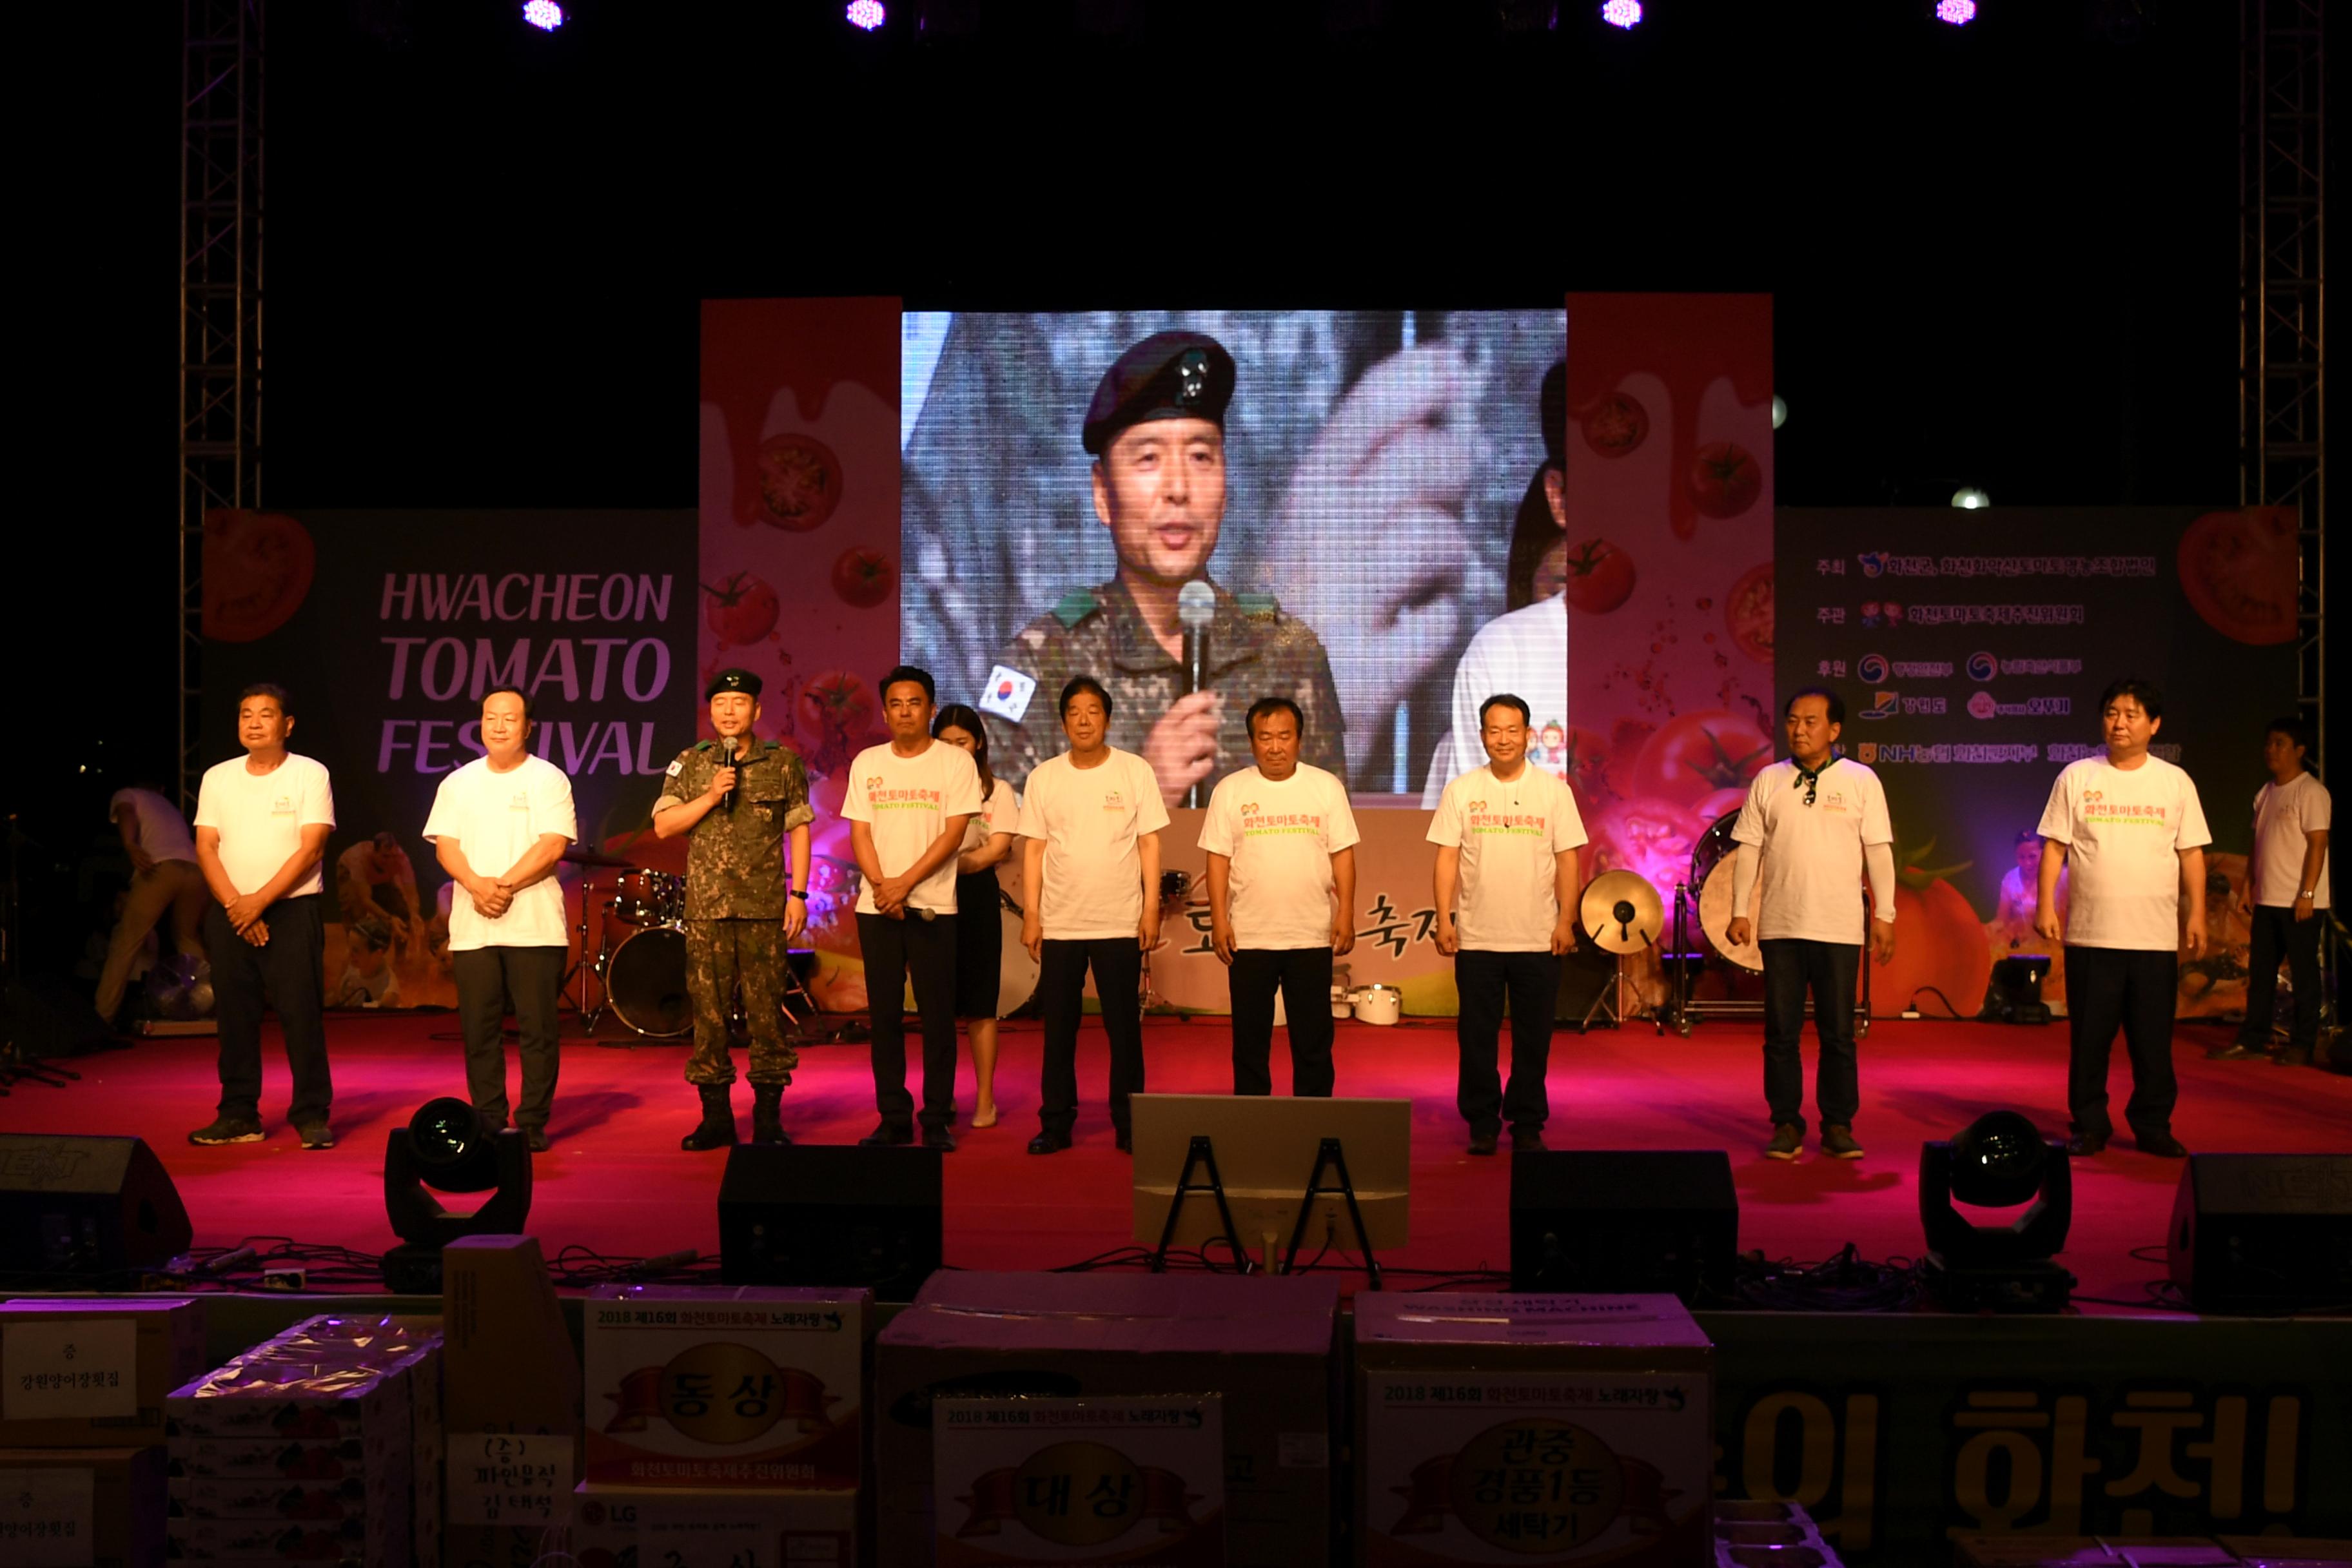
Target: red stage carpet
[(616, 1181)]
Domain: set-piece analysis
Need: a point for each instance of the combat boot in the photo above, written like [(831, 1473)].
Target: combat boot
[(717, 1129), (768, 1115)]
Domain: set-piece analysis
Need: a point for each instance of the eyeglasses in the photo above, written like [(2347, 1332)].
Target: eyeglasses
[(1813, 787)]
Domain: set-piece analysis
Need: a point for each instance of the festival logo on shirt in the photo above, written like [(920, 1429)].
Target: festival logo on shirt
[(1114, 801), (1258, 823), (1518, 824), (521, 801), (902, 799), (282, 807)]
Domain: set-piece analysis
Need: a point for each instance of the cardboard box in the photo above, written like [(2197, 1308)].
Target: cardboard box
[(290, 1401), (261, 1497), (509, 1368), (380, 1541), (91, 1374), (103, 1507), (675, 1527), (2090, 1551), (1030, 1481), (1265, 1345), (1532, 1429), (714, 1387)]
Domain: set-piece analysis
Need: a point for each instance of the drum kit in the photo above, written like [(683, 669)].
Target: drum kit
[(637, 964)]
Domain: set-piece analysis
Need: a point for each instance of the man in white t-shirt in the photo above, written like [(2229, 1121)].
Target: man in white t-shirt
[(164, 877), (1506, 836), (1817, 823), (2129, 830), (1281, 843), (907, 806), (499, 827), (2286, 889), (1090, 822), (262, 822)]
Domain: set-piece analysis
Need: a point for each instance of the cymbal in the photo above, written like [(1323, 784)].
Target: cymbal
[(578, 855), (1622, 912)]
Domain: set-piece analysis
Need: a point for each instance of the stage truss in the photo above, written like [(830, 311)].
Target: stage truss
[(220, 308)]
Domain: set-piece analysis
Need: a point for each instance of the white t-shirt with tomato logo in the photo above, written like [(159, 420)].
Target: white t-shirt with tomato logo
[(1090, 819), (2124, 829), (1812, 853), (260, 817), (1511, 835), (2284, 813), (1280, 837), (497, 818), (906, 802)]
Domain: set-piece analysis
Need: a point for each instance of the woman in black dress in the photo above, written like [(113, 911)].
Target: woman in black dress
[(980, 931)]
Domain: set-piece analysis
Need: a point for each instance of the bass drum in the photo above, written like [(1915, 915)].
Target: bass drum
[(1711, 875), (645, 979)]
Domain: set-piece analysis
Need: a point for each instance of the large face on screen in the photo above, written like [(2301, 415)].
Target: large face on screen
[(1160, 491)]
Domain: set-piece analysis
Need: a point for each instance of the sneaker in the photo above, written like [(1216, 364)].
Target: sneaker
[(317, 1135), (229, 1130), (1786, 1138), (537, 1138), (1485, 1142), (2083, 1145), (1527, 1140), (2163, 1146), (1049, 1142), (1837, 1142)]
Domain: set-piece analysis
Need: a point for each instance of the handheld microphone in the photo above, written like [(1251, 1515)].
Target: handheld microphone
[(1196, 606), (727, 802)]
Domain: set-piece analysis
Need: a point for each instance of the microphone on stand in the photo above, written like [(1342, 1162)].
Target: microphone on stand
[(1196, 606)]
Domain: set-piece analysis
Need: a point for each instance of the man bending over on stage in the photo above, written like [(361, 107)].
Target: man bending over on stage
[(1090, 822), (262, 822), (1281, 843), (2286, 890), (1506, 836), (499, 826), (738, 799), (2130, 829), (1817, 822), (907, 806)]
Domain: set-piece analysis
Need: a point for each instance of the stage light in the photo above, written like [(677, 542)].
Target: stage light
[(2000, 1162), (1959, 13), (448, 1147), (865, 13), (1620, 13), (1779, 411), (1970, 498), (544, 15)]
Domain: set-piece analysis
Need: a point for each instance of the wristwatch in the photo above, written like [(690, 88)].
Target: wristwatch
[(797, 893)]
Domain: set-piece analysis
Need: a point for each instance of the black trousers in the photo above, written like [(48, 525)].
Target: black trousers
[(2112, 987), (925, 948), (1117, 963), (1793, 966), (1303, 974), (287, 974), (1483, 980), (489, 980), (2278, 934)]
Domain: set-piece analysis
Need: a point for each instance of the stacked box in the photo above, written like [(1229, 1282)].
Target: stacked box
[(1768, 1535), (678, 1527), (1034, 1481), (1264, 1345), (94, 1374), (98, 1508), (306, 1447), (718, 1386), (1532, 1429), (510, 1403)]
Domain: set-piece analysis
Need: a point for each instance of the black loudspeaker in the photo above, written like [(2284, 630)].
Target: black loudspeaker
[(1624, 1220), (1585, 972), (831, 1214), (75, 1208), (2264, 1233)]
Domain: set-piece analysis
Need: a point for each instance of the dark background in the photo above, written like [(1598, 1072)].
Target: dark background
[(2003, 255)]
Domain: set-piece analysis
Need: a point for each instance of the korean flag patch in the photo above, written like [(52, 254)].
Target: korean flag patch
[(1007, 693)]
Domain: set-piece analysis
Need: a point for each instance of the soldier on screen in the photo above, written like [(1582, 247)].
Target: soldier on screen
[(739, 798), (1156, 431)]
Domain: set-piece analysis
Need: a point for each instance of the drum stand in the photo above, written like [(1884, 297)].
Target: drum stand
[(1688, 1014), (590, 962), (1609, 1006)]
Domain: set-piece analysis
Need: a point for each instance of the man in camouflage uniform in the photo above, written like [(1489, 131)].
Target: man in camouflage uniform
[(740, 913), (1156, 430)]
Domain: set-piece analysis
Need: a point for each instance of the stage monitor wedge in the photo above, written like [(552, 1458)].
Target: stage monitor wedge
[(831, 1214), (75, 1208), (1624, 1220), (2264, 1233)]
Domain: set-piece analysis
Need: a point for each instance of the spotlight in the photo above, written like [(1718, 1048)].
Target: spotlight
[(865, 13), (544, 15), (1620, 13), (1959, 13), (1779, 411), (2001, 1160), (1967, 498), (448, 1147)]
